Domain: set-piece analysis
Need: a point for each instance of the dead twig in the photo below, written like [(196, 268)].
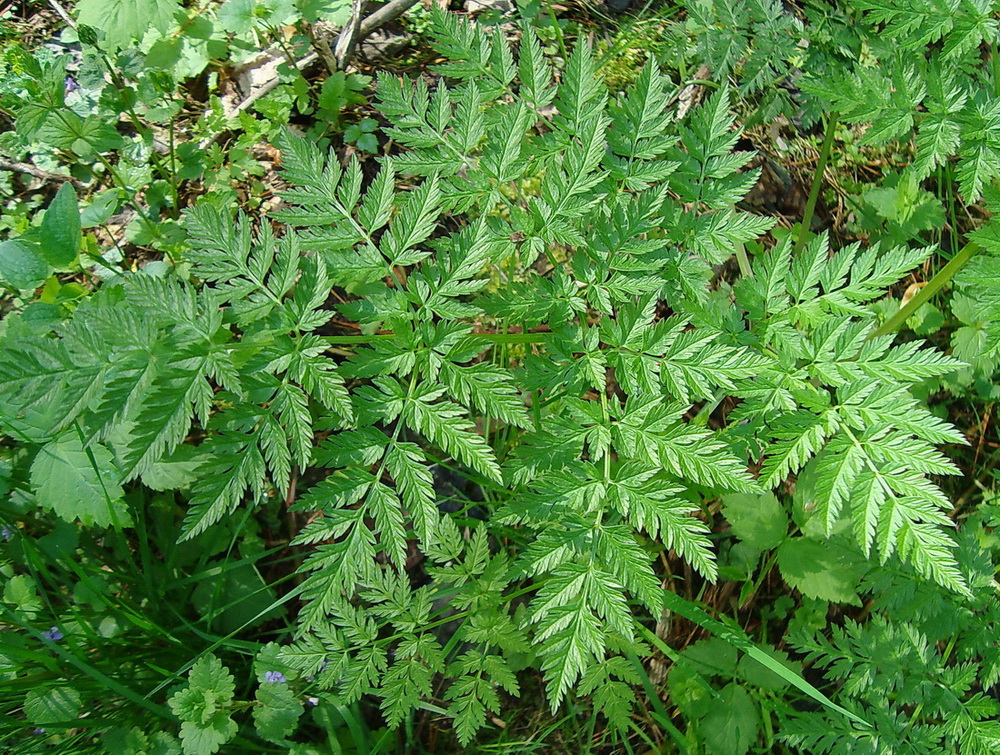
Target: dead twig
[(358, 28), (388, 12), (46, 175)]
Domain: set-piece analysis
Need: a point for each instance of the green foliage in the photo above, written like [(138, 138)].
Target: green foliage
[(79, 483), (202, 707), (759, 520), (120, 116), (899, 209), (22, 265), (977, 307), (869, 443), (929, 654), (25, 262), (56, 705), (340, 90), (757, 41), (124, 21), (362, 135), (484, 394), (924, 77), (59, 232), (724, 694)]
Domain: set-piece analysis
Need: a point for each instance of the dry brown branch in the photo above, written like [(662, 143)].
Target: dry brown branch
[(45, 175)]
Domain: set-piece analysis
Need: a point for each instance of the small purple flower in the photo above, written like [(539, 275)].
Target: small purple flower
[(313, 701), (71, 85), (320, 670), (275, 677), (39, 731), (52, 634), (7, 533)]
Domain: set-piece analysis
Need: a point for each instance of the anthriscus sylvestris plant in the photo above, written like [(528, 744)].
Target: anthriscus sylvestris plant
[(497, 385)]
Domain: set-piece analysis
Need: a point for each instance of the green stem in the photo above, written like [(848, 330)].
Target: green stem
[(995, 61), (122, 184), (606, 418), (741, 257), (173, 171), (283, 46), (558, 31), (492, 337), (824, 157), (703, 415), (693, 612), (943, 277)]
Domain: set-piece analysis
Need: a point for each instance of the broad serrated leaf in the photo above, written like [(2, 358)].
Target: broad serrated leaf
[(277, 711), (79, 483), (125, 21)]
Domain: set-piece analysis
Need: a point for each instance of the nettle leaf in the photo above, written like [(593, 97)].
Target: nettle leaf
[(759, 520), (125, 21), (203, 707), (822, 570), (277, 712), (60, 705), (79, 483)]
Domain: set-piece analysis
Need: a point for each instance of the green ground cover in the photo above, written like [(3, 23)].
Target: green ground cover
[(549, 377)]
